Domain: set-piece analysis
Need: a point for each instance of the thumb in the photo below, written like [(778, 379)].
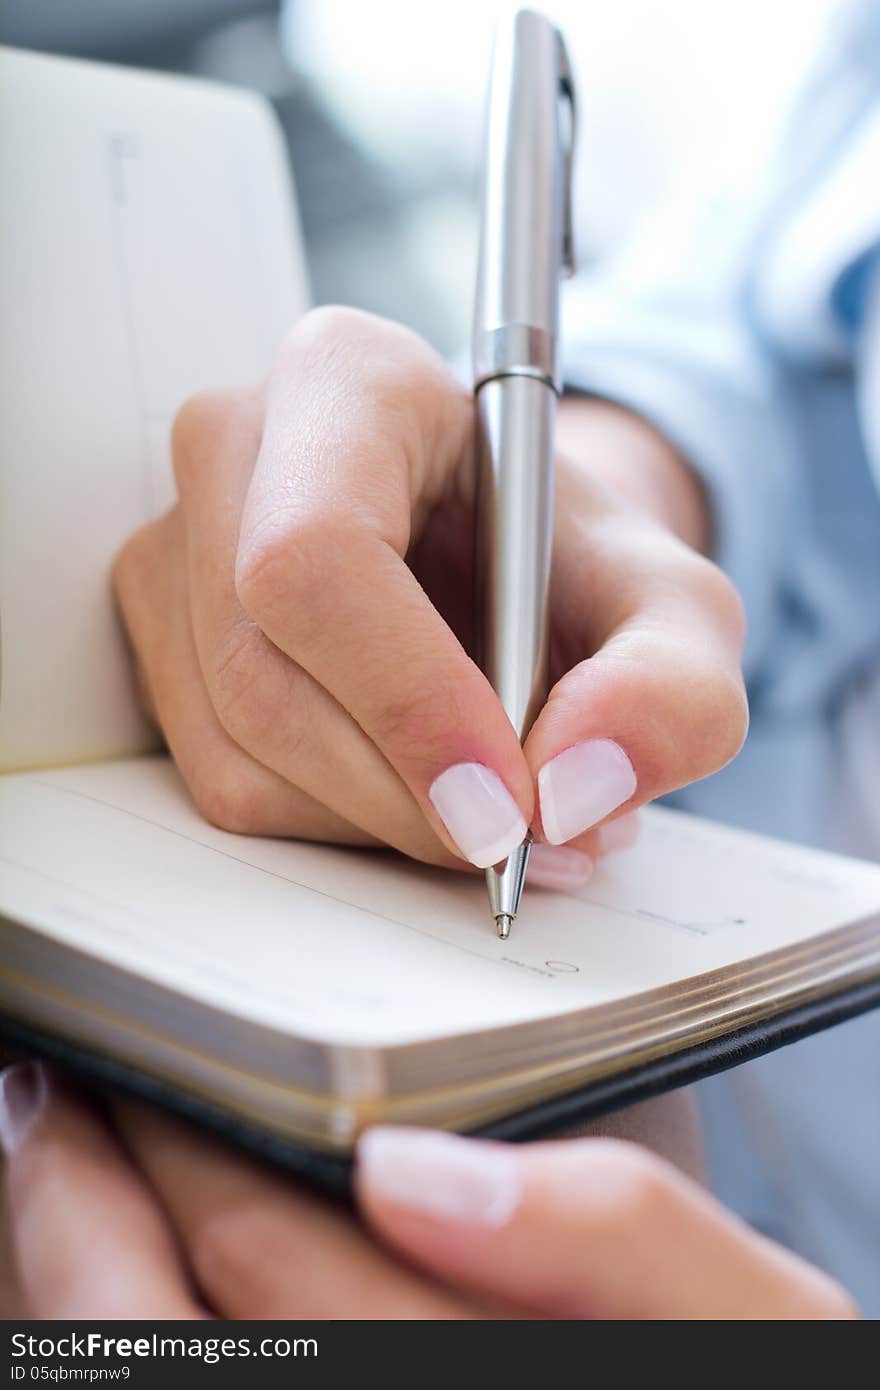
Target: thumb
[(592, 1228)]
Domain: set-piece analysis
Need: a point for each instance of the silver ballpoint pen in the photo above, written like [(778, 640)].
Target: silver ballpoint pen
[(525, 247)]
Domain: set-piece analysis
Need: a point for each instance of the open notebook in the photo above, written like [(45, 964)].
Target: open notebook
[(290, 992), (307, 989)]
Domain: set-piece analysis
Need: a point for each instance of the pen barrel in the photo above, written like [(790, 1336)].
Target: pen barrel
[(514, 540), (524, 203)]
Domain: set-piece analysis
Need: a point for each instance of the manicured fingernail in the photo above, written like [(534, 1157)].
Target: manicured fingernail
[(619, 834), (583, 785), (441, 1175), (557, 866), (479, 813), (22, 1097)]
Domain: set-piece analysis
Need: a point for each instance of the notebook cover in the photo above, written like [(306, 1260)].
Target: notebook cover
[(332, 1173)]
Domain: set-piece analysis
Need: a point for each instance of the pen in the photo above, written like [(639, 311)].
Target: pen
[(525, 247)]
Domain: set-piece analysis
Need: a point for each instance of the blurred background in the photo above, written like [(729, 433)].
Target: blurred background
[(381, 103)]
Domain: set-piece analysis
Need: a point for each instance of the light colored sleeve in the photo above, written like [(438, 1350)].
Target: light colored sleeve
[(721, 317), (666, 332)]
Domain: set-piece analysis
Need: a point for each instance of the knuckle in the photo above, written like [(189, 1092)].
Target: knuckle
[(329, 321), (699, 719), (403, 720), (255, 694), (632, 1189), (331, 325), (701, 692), (206, 414), (723, 598), (200, 423), (408, 720), (840, 1305), (718, 718), (324, 340), (400, 365), (690, 719), (139, 575), (265, 569), (291, 566), (134, 559), (223, 1243), (221, 1247), (229, 796)]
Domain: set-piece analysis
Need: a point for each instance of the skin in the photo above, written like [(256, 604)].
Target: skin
[(129, 1214), (299, 623), (300, 619)]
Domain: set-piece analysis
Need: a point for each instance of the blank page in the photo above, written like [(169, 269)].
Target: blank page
[(150, 249), (353, 946)]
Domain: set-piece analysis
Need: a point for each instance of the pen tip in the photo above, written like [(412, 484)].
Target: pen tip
[(503, 922)]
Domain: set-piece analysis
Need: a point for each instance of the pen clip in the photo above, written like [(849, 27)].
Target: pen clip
[(567, 95)]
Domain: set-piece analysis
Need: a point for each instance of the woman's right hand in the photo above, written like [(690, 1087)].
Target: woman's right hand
[(301, 618)]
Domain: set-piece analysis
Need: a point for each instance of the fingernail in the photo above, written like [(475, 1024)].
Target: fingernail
[(619, 834), (557, 866), (22, 1097), (479, 813), (441, 1175), (581, 786)]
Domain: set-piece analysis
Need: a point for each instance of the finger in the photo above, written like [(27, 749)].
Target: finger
[(661, 701), (89, 1240), (617, 835), (268, 705), (594, 1228), (567, 868), (261, 1249), (231, 789), (365, 430), (559, 867)]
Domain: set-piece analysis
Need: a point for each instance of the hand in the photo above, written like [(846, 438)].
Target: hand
[(132, 1215), (138, 1216), (301, 618)]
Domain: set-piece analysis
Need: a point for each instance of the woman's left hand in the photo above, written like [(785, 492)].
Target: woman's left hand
[(138, 1216), (133, 1215)]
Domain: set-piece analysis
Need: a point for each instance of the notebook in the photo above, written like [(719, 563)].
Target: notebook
[(289, 994), (150, 250)]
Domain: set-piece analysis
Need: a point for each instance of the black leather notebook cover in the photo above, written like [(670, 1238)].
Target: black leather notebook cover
[(332, 1173)]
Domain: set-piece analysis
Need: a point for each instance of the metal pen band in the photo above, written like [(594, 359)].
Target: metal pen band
[(516, 349)]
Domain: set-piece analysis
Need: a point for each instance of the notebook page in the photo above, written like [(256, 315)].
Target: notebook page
[(341, 945), (149, 250)]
